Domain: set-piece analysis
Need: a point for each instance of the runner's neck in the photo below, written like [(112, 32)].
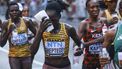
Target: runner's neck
[(16, 21)]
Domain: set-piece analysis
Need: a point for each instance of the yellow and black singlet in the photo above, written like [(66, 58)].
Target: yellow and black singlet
[(19, 45), (109, 16), (56, 45)]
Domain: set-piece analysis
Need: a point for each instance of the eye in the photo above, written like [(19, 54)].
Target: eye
[(14, 10)]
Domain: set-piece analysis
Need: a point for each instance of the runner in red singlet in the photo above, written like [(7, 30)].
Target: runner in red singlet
[(91, 29)]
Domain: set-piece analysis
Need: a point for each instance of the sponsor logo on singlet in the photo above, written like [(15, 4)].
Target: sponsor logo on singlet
[(95, 48), (97, 35), (55, 48), (19, 39)]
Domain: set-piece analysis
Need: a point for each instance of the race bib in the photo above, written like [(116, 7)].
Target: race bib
[(95, 48), (19, 39), (54, 48)]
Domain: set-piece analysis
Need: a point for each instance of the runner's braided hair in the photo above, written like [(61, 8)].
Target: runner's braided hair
[(12, 3)]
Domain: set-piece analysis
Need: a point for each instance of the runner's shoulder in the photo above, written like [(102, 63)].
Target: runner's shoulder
[(70, 29), (68, 26), (26, 19), (110, 33), (85, 21), (29, 20), (5, 23)]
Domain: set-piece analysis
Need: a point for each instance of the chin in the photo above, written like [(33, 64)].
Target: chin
[(94, 16)]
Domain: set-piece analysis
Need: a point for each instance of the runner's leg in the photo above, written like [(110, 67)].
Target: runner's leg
[(26, 63), (14, 63)]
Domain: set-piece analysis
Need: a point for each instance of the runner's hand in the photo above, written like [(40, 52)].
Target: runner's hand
[(120, 62), (78, 52), (113, 20), (11, 28), (103, 61), (45, 23)]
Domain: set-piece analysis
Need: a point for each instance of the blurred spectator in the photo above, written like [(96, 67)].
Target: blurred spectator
[(27, 2), (102, 5), (25, 11), (111, 6), (76, 10), (3, 7), (36, 6), (81, 12), (109, 11), (71, 10)]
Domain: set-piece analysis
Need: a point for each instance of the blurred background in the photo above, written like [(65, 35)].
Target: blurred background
[(75, 12)]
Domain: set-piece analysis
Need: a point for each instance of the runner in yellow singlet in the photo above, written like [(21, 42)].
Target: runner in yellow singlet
[(56, 41), (15, 30), (111, 6)]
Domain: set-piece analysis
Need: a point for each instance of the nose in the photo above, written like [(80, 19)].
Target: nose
[(14, 11), (95, 8)]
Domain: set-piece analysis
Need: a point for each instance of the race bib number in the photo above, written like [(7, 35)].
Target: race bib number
[(54, 48), (19, 39), (95, 48)]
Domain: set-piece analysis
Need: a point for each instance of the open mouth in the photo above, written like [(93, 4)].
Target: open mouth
[(14, 14), (95, 13)]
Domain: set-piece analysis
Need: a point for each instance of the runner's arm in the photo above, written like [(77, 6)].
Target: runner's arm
[(36, 43), (109, 38), (5, 34), (94, 41), (31, 26), (81, 29), (74, 36)]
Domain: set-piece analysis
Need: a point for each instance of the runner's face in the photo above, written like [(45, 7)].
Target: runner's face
[(93, 9), (25, 12), (53, 15), (14, 11), (111, 5)]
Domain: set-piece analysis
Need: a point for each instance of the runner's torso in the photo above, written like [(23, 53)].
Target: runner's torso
[(56, 47), (18, 40), (92, 51)]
